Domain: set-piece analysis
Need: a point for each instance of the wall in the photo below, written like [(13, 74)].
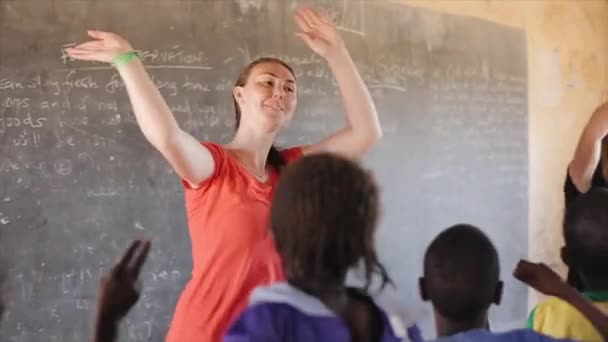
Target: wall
[(567, 45)]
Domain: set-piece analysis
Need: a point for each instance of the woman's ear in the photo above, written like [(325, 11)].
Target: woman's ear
[(237, 92)]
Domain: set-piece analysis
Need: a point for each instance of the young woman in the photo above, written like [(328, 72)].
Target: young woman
[(228, 187)]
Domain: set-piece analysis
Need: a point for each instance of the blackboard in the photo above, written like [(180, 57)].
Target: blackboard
[(78, 181)]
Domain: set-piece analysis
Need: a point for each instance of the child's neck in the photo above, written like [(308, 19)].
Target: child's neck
[(595, 283), (447, 327), (333, 295)]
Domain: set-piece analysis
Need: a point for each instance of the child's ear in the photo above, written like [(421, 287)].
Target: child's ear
[(565, 255), (422, 288), (498, 293)]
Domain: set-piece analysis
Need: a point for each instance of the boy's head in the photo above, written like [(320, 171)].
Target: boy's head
[(461, 274), (586, 235), (323, 218)]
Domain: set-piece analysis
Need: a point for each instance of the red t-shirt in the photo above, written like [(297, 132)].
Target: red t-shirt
[(232, 248)]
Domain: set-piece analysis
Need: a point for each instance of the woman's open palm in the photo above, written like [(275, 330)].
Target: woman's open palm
[(104, 47), (318, 32)]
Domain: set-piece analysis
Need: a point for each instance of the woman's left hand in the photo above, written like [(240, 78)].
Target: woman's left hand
[(319, 33)]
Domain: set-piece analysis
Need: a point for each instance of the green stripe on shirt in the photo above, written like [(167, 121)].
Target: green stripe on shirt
[(531, 319)]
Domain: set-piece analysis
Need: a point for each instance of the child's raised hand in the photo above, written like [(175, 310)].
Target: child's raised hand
[(540, 277), (119, 289)]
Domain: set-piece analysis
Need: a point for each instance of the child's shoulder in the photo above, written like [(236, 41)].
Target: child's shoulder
[(261, 322), (552, 304), (264, 313), (551, 311), (286, 305)]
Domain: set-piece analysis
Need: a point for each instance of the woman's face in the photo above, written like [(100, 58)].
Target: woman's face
[(268, 98)]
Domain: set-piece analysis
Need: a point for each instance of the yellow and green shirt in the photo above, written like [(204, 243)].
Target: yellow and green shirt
[(557, 318)]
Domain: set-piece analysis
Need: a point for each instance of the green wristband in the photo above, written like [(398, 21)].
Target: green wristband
[(124, 58)]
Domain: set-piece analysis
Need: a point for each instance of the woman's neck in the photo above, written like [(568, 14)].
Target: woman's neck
[(252, 149)]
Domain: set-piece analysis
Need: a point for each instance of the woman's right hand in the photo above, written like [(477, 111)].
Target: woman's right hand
[(192, 161), (104, 47)]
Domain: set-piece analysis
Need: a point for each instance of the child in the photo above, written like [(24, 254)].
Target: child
[(461, 279), (323, 218), (586, 251), (589, 167), (543, 279)]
